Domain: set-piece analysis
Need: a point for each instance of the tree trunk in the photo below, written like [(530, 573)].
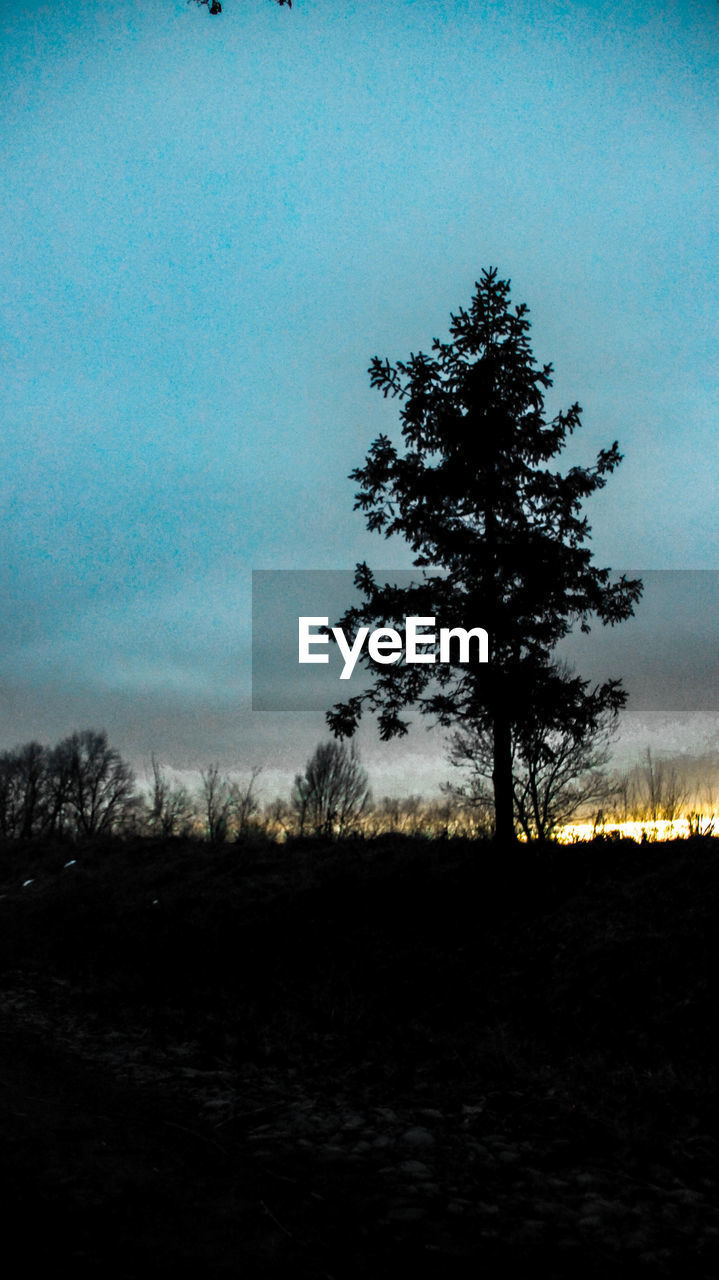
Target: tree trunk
[(502, 782)]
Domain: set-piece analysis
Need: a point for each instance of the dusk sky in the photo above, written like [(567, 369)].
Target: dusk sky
[(210, 225)]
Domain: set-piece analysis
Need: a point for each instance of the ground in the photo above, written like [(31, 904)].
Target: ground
[(329, 1061)]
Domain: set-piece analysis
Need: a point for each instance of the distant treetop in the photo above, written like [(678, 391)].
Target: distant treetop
[(215, 7)]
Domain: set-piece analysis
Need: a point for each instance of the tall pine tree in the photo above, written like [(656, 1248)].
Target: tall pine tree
[(473, 494)]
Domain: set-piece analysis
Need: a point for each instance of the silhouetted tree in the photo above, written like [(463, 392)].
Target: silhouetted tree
[(277, 818), (472, 494), (332, 794), (663, 790), (244, 805), (556, 763), (25, 791), (94, 786), (215, 7), (170, 807), (216, 799)]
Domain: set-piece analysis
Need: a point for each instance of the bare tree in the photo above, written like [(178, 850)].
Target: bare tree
[(95, 786), (662, 787), (8, 801), (216, 801), (244, 805), (624, 796), (277, 818), (170, 806), (702, 817), (24, 791), (332, 794), (556, 774), (61, 818)]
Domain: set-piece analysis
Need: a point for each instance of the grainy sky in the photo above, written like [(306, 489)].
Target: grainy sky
[(208, 228)]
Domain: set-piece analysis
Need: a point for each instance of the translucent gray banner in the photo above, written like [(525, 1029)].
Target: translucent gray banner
[(667, 655)]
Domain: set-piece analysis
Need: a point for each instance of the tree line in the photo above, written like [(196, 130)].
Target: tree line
[(82, 788)]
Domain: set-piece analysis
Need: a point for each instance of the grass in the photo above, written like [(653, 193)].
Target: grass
[(601, 949), (567, 993)]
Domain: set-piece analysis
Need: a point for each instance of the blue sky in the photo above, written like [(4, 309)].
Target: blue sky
[(209, 227)]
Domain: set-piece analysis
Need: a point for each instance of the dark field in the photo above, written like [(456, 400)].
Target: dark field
[(315, 1061)]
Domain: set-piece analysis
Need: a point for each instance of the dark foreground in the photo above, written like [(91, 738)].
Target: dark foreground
[(315, 1062)]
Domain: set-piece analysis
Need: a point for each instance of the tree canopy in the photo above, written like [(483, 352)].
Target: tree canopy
[(470, 490), (332, 794)]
